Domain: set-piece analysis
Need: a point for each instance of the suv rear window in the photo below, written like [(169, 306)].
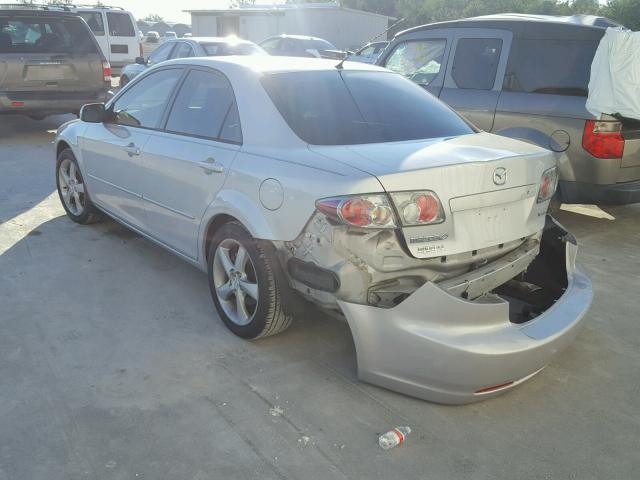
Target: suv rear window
[(120, 25), (560, 67), (45, 35), (350, 108)]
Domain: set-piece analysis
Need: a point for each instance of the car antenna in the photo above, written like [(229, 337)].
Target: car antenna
[(340, 64)]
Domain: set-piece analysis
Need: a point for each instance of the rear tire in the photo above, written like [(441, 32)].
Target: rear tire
[(73, 191), (123, 80), (246, 283)]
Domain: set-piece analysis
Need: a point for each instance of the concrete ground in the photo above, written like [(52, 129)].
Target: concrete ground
[(114, 365)]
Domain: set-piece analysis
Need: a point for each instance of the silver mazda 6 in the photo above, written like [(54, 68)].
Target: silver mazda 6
[(352, 187)]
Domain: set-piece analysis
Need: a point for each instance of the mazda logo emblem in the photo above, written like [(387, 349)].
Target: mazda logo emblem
[(500, 176)]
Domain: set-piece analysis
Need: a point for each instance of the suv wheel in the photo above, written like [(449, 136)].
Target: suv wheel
[(72, 190), (245, 283)]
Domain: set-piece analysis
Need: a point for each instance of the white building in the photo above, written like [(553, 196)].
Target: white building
[(344, 27)]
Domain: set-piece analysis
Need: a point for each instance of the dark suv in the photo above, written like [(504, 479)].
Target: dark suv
[(527, 77), (50, 62)]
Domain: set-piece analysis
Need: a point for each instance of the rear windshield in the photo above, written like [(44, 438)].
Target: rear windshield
[(319, 44), (45, 35), (351, 107), (557, 67), (218, 49)]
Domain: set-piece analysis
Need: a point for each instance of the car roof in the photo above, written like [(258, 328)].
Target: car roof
[(230, 39), (270, 64), (521, 22), (297, 37), (24, 10)]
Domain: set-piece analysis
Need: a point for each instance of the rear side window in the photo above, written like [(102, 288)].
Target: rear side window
[(206, 107), (144, 103), (476, 62), (45, 35), (95, 22), (557, 67), (349, 108), (120, 25), (418, 60)]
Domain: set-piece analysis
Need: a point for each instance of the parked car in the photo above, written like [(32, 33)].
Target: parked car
[(117, 33), (431, 237), (153, 36), (169, 36), (526, 77), (300, 46), (369, 53), (50, 62), (190, 47)]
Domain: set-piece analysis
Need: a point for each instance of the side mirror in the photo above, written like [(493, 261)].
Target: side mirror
[(93, 113), (141, 61)]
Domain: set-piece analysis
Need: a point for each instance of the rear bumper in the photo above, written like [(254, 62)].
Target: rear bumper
[(589, 193), (447, 350), (48, 103)]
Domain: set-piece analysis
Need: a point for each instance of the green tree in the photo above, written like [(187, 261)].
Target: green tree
[(626, 12), (153, 17)]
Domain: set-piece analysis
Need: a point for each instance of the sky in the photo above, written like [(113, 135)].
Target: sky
[(170, 10)]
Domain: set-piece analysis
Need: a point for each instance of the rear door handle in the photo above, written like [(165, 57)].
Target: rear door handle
[(132, 150), (211, 166)]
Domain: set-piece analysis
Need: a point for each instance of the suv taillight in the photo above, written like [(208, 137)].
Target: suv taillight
[(106, 71), (603, 139), (141, 50)]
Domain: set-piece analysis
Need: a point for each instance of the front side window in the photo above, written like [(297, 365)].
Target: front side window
[(120, 25), (349, 108), (418, 60), (557, 67), (475, 63), (161, 53), (183, 50), (206, 107), (144, 103), (45, 35), (95, 22)]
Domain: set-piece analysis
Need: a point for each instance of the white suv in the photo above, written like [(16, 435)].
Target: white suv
[(116, 32)]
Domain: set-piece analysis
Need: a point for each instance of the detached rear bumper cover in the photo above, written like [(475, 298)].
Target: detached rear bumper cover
[(445, 349)]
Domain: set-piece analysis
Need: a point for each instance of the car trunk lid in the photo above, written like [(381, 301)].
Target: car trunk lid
[(481, 208)]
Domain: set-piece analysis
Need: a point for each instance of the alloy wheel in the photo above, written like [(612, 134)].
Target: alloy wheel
[(71, 187), (234, 278)]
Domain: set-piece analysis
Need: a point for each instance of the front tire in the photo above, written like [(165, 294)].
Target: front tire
[(72, 190), (245, 283)]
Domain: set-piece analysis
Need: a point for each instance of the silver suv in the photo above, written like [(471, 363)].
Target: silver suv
[(526, 77), (50, 62)]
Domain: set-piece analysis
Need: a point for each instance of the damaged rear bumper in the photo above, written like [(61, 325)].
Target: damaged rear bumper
[(445, 349)]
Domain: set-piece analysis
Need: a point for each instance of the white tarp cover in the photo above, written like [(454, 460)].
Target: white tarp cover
[(614, 87)]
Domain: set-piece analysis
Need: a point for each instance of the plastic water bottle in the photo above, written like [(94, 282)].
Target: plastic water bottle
[(393, 437)]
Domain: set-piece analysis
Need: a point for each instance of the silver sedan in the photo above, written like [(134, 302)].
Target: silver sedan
[(348, 185)]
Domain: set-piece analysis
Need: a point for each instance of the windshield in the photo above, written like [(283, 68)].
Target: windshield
[(218, 49), (320, 44), (353, 107), (45, 35)]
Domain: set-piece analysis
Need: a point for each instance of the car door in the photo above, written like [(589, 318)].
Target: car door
[(123, 38), (475, 73), (111, 151), (186, 164)]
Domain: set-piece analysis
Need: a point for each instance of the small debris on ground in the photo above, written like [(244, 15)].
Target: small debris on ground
[(304, 440), (276, 411)]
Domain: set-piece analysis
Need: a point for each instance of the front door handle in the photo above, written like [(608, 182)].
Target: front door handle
[(132, 150), (211, 166)]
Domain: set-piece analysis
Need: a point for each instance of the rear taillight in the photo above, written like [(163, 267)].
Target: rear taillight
[(603, 139), (548, 184), (106, 71), (418, 208), (365, 211), (141, 50)]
